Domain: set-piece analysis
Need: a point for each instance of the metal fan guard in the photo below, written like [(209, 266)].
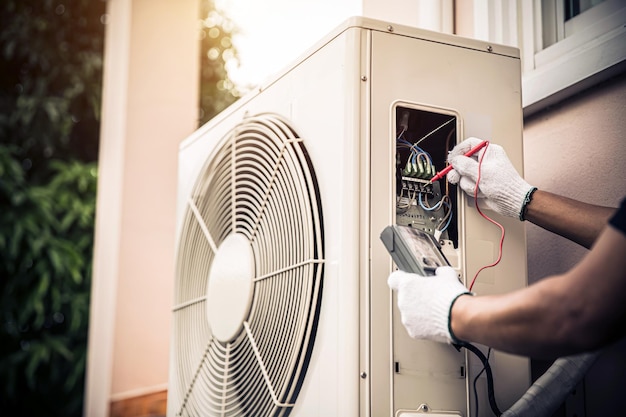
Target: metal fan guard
[(258, 184)]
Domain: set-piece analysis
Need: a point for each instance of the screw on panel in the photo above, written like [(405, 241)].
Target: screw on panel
[(390, 28), (363, 78), (423, 407), (489, 48), (363, 375)]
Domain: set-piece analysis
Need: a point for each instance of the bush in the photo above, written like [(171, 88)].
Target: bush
[(45, 269)]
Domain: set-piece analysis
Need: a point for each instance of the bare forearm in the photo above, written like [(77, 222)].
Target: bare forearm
[(577, 221), (582, 309), (530, 322)]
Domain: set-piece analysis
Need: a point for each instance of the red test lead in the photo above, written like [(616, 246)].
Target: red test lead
[(447, 169)]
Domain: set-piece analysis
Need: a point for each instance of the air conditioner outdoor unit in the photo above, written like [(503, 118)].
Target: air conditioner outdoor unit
[(281, 303)]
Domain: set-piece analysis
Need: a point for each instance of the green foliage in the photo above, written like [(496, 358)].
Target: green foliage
[(50, 88), (45, 267), (50, 78), (51, 59), (216, 54)]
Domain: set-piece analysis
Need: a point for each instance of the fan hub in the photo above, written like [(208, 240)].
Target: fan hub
[(230, 287)]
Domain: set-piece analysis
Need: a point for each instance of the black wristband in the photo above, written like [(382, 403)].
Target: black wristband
[(455, 340), (529, 196)]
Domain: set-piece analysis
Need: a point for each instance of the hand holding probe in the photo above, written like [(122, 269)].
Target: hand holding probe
[(449, 168)]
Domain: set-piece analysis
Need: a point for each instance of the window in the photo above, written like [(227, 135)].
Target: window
[(566, 45), (575, 7)]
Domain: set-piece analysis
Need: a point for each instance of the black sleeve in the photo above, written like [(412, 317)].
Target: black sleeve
[(618, 220)]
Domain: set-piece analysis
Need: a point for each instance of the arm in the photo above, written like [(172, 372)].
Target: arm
[(580, 310), (579, 222), (504, 191)]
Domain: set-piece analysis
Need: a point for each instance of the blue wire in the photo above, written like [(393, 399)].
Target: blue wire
[(435, 207), (406, 142), (420, 150), (415, 150)]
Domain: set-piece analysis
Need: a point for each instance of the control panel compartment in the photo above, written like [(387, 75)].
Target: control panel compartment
[(424, 136)]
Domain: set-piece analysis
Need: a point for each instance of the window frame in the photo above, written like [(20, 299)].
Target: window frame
[(568, 66)]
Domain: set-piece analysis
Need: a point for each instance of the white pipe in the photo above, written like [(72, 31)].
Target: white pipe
[(550, 390)]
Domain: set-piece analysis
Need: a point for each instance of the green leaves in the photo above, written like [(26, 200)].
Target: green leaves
[(216, 54), (46, 244), (51, 76), (50, 91)]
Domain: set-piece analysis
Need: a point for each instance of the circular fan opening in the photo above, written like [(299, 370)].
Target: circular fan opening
[(249, 276)]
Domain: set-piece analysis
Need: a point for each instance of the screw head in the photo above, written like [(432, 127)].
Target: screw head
[(390, 28), (363, 78), (489, 48), (363, 375)]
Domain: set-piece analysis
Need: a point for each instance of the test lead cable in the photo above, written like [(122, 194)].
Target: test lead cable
[(447, 169), (502, 232)]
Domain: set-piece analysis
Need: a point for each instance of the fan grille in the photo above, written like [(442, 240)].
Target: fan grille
[(259, 184)]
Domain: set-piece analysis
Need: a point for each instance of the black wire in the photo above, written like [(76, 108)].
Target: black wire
[(476, 380), (490, 389)]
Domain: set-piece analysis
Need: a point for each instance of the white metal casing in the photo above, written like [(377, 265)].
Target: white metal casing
[(339, 97)]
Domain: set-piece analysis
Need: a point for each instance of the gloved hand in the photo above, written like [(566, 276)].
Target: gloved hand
[(425, 302), (500, 185)]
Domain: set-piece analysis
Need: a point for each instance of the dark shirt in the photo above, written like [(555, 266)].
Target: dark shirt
[(618, 220)]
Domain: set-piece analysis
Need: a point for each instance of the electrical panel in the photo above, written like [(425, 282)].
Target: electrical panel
[(424, 136)]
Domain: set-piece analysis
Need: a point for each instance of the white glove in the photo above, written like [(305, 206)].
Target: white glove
[(425, 302), (500, 185)]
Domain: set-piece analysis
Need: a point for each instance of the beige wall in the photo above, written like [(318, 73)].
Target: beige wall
[(577, 149), (150, 104)]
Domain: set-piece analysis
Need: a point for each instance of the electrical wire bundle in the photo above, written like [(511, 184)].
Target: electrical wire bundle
[(420, 165), (447, 218), (487, 370)]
